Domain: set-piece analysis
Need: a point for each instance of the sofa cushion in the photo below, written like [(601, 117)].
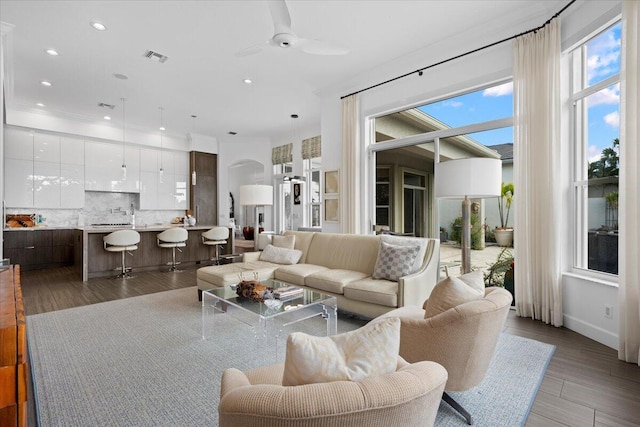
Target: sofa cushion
[(409, 241), (453, 291), (332, 280), (295, 274), (229, 274), (394, 261), (287, 242), (382, 292), (353, 252), (280, 255), (302, 243), (352, 356)]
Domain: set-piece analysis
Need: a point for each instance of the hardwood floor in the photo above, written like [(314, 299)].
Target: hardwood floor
[(585, 384)]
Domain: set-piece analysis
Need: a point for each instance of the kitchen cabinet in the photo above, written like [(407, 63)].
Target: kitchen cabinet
[(203, 198), (39, 248), (103, 168), (38, 165), (170, 192)]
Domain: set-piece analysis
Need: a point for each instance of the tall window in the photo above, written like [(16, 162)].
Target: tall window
[(312, 168), (596, 100)]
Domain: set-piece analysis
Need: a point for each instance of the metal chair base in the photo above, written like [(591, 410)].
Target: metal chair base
[(124, 270), (455, 405)]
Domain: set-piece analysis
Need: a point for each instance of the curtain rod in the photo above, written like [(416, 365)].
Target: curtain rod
[(420, 70)]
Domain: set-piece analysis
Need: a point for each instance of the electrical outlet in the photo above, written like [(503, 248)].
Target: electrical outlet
[(608, 311)]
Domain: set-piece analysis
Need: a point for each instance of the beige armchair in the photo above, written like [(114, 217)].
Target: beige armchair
[(410, 396), (462, 339)]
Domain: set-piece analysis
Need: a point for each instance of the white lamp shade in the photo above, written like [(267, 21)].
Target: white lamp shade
[(474, 178), (256, 195)]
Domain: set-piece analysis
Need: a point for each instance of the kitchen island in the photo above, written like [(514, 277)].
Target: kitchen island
[(91, 260)]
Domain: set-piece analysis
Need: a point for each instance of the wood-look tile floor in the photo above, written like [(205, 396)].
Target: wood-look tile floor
[(585, 384)]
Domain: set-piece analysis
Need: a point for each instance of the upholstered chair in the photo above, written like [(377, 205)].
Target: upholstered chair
[(408, 397), (122, 241), (173, 238), (462, 339), (215, 238)]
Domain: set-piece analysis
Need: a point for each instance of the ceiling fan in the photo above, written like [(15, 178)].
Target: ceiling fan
[(285, 38)]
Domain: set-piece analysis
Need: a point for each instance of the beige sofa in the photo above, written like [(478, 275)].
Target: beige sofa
[(339, 265)]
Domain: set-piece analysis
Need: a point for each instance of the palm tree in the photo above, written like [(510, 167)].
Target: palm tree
[(608, 164)]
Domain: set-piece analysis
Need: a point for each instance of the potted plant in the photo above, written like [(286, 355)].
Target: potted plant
[(504, 233), (500, 273)]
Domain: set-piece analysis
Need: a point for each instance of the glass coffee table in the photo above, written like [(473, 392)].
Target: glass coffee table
[(268, 319)]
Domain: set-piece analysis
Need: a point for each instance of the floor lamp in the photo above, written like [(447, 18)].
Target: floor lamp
[(256, 195), (474, 178)]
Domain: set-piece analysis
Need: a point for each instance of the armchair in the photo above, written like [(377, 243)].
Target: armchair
[(410, 396), (462, 339)]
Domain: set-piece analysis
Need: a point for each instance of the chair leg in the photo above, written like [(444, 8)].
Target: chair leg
[(124, 271), (455, 405), (174, 264)]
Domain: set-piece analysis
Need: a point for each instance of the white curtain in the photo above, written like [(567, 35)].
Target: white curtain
[(349, 185), (629, 208), (536, 93)]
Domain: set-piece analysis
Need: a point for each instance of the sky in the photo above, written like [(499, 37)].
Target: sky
[(603, 60)]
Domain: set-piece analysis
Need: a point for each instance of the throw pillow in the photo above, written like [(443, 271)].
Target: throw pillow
[(352, 356), (409, 241), (454, 291), (394, 261), (287, 242), (280, 255)]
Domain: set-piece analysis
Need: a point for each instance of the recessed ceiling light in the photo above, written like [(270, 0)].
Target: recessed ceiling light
[(107, 118), (51, 52), (40, 104), (162, 128), (98, 26), (120, 76), (248, 81), (232, 132), (45, 83)]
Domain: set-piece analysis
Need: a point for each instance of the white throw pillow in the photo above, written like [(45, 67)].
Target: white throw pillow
[(280, 255), (287, 242), (394, 261), (409, 241), (453, 291), (352, 356)]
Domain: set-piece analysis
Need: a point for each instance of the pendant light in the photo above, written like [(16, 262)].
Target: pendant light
[(124, 163), (193, 128), (161, 172)]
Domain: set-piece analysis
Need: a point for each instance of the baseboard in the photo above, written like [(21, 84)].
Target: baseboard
[(591, 331)]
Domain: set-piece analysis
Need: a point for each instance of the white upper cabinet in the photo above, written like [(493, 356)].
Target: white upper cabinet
[(18, 144), (46, 148), (103, 167), (71, 151), (149, 160), (169, 192), (18, 183), (46, 184)]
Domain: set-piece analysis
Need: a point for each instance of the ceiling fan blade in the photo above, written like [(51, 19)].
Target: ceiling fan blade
[(281, 16), (317, 47)]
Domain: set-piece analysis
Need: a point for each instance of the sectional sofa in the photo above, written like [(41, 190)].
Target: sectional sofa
[(342, 265)]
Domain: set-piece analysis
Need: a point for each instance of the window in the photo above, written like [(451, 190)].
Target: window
[(596, 102), (313, 173), (383, 198)]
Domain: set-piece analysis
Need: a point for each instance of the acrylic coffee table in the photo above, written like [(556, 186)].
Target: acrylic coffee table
[(268, 320)]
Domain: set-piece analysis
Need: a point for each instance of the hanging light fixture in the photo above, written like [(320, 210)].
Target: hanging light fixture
[(193, 128), (161, 172), (124, 163)]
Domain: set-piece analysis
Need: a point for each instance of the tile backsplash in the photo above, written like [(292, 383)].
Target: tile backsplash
[(102, 208)]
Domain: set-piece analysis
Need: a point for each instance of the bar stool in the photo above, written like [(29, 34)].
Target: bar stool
[(216, 237), (122, 241), (174, 238)]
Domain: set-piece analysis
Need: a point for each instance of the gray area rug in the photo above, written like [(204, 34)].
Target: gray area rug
[(142, 362)]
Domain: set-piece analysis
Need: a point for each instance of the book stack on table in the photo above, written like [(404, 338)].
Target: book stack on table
[(287, 292)]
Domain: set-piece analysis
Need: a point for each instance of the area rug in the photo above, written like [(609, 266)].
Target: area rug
[(142, 362)]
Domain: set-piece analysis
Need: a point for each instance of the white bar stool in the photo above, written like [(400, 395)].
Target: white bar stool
[(174, 238), (122, 241), (216, 237)]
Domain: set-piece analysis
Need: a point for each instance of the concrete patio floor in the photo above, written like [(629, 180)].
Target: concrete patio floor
[(451, 256)]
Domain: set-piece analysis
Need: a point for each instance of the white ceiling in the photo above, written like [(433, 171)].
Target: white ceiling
[(203, 76)]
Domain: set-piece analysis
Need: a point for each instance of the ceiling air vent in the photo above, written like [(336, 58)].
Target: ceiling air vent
[(155, 56), (103, 105)]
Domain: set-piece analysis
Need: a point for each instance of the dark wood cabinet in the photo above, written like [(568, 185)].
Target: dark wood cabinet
[(203, 197), (37, 248)]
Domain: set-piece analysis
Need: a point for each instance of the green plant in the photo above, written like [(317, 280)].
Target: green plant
[(495, 275), (612, 199), (476, 231), (504, 203)]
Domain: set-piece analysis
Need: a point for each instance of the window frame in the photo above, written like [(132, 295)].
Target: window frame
[(309, 169)]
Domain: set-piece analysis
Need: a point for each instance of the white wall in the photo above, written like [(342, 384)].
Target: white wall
[(490, 65)]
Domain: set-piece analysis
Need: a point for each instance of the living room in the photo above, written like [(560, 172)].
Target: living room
[(583, 296)]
